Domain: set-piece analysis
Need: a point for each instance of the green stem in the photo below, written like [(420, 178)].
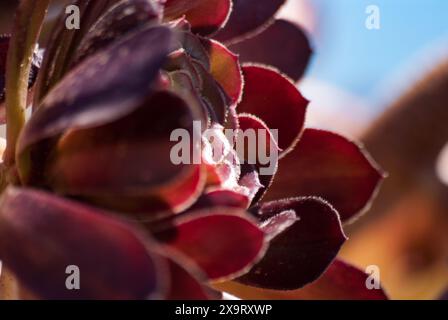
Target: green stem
[(29, 18)]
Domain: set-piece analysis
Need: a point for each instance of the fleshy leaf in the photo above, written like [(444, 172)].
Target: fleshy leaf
[(192, 44), (221, 198), (118, 21), (213, 95), (280, 106), (265, 153), (205, 16), (105, 87), (341, 281), (187, 281), (295, 51), (130, 157), (248, 17), (225, 68), (306, 236), (221, 241), (63, 42), (329, 166), (42, 234)]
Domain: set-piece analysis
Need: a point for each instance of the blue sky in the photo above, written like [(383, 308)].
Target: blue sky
[(360, 60)]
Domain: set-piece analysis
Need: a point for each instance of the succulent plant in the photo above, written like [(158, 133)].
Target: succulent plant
[(91, 182)]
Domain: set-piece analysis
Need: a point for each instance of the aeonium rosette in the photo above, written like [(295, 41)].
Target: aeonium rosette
[(97, 185)]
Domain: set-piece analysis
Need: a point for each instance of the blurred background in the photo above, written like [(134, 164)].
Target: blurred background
[(387, 87)]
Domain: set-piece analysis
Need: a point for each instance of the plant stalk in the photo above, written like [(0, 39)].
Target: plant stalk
[(28, 23)]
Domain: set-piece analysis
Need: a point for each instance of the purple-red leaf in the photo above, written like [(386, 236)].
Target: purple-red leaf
[(130, 157), (329, 166), (184, 285), (295, 51), (225, 68), (205, 16), (275, 100), (117, 22), (262, 156), (222, 241), (248, 17), (306, 236), (213, 95), (42, 234), (105, 87), (341, 281), (221, 198)]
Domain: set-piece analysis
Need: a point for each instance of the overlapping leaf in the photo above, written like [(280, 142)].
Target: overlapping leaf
[(118, 159), (275, 100), (306, 235), (293, 57), (96, 93), (248, 17), (328, 165), (225, 68), (341, 281), (50, 233), (260, 155), (117, 22), (204, 236), (205, 16)]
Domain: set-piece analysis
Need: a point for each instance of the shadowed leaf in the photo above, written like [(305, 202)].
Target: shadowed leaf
[(306, 236), (293, 57), (118, 21), (341, 281), (247, 17), (262, 156), (105, 87), (41, 234), (130, 157)]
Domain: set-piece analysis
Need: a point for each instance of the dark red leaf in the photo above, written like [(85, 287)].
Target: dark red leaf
[(275, 100), (213, 95), (248, 17), (265, 152), (222, 241), (105, 87), (328, 165), (42, 234), (225, 68), (130, 157), (184, 285), (306, 236), (341, 281), (62, 44), (221, 198), (205, 16), (295, 51), (117, 22)]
